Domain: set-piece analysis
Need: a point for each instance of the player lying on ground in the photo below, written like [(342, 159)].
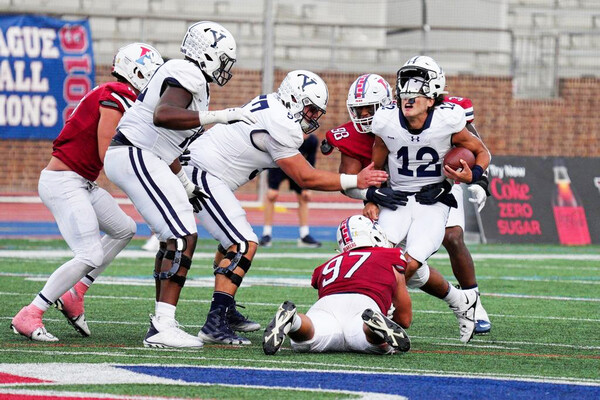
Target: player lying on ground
[(356, 290)]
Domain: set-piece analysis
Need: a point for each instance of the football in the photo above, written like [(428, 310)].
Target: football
[(455, 154)]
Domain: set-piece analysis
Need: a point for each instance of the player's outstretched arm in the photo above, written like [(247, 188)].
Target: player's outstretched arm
[(307, 177)]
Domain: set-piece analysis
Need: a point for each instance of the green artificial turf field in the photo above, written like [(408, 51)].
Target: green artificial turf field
[(544, 303)]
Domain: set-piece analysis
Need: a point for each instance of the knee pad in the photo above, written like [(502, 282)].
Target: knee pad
[(419, 278), (236, 260), (180, 260)]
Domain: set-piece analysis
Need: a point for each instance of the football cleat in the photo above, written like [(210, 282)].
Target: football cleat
[(265, 241), (308, 241), (70, 305), (28, 322), (217, 329), (239, 322), (465, 313), (165, 333), (387, 329), (483, 326), (278, 328)]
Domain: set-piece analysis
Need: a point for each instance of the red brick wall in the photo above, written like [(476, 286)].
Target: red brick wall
[(568, 125)]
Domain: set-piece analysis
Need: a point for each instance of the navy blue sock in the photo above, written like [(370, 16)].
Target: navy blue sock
[(221, 299)]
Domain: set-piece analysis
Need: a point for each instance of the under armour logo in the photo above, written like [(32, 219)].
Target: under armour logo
[(415, 139), (307, 81), (214, 45)]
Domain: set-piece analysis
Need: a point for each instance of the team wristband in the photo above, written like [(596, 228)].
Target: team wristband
[(477, 172), (348, 181)]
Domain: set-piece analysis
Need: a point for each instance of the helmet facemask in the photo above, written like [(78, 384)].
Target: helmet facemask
[(363, 124), (413, 82), (310, 114), (222, 75)]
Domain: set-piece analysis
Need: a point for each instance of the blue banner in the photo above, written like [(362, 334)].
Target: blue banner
[(46, 67)]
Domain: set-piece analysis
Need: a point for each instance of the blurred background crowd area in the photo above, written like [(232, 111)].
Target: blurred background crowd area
[(531, 67)]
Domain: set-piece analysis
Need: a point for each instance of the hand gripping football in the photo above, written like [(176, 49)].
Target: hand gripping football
[(455, 154)]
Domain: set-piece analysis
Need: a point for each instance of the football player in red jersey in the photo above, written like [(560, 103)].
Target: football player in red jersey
[(356, 290), (81, 208), (355, 141)]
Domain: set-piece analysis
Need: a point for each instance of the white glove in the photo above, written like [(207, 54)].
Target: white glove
[(191, 189), (227, 116), (478, 196)]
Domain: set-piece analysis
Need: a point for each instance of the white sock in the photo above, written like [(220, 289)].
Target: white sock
[(453, 297), (296, 323), (304, 230), (165, 310), (267, 230)]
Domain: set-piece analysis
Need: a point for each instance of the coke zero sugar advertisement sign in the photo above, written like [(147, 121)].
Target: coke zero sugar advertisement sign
[(543, 200)]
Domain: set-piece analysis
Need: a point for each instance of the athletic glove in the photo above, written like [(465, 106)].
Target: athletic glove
[(436, 192), (478, 196), (387, 197), (326, 148), (193, 191), (195, 200), (184, 159), (228, 116)]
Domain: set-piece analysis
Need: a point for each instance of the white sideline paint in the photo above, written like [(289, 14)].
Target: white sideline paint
[(69, 374), (104, 374), (36, 254)]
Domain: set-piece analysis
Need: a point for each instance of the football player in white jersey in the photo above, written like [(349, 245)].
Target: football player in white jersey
[(412, 138), (228, 156), (142, 160)]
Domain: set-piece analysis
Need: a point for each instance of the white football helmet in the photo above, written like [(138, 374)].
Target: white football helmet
[(368, 90), (301, 89), (212, 47), (420, 76), (136, 63), (359, 231)]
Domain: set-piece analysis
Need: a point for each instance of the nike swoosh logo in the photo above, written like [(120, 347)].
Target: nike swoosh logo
[(380, 193), (438, 195), (466, 298)]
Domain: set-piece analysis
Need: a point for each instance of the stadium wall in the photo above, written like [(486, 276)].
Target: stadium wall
[(568, 125)]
